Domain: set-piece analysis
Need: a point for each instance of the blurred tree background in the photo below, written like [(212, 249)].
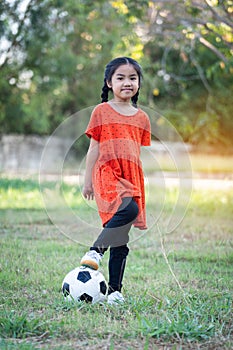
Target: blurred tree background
[(53, 54)]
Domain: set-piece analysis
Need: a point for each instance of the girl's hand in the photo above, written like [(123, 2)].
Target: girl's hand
[(88, 192)]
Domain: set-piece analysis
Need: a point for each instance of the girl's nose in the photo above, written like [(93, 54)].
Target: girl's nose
[(127, 82)]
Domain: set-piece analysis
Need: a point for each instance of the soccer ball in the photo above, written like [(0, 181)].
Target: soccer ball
[(84, 284)]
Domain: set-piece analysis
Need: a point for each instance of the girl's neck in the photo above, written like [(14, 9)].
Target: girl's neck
[(123, 107), (123, 103)]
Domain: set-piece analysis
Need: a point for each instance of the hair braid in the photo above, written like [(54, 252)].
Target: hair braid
[(105, 89), (134, 99)]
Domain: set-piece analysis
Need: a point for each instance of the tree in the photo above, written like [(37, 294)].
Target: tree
[(188, 45), (50, 68), (53, 54)]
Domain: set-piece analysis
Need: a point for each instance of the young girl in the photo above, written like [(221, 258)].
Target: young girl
[(114, 175)]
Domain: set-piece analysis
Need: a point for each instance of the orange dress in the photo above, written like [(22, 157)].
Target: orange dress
[(118, 170)]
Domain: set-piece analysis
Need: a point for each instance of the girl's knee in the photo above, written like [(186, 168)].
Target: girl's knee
[(132, 210), (135, 208)]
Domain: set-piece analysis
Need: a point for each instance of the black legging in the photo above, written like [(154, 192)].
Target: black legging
[(116, 236)]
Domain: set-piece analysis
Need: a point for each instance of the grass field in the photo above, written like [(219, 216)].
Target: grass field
[(178, 286)]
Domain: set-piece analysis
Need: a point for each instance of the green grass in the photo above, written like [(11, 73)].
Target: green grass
[(178, 286)]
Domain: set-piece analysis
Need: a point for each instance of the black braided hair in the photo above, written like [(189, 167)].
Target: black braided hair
[(134, 99), (109, 71), (105, 89)]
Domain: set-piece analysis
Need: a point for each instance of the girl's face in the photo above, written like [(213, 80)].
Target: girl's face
[(124, 83)]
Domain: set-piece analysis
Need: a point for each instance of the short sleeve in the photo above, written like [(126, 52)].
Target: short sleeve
[(94, 127), (146, 136)]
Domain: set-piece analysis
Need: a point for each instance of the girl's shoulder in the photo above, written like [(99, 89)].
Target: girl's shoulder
[(100, 107), (142, 115), (100, 110)]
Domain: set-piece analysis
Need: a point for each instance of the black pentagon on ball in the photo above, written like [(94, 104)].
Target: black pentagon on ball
[(84, 276), (66, 289), (103, 287), (85, 297)]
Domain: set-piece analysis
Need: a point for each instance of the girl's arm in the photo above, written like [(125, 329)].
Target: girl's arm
[(92, 155)]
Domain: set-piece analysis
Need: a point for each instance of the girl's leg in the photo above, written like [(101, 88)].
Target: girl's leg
[(115, 235), (116, 267)]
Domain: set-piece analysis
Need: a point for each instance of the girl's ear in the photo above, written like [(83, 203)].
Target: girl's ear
[(109, 84)]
